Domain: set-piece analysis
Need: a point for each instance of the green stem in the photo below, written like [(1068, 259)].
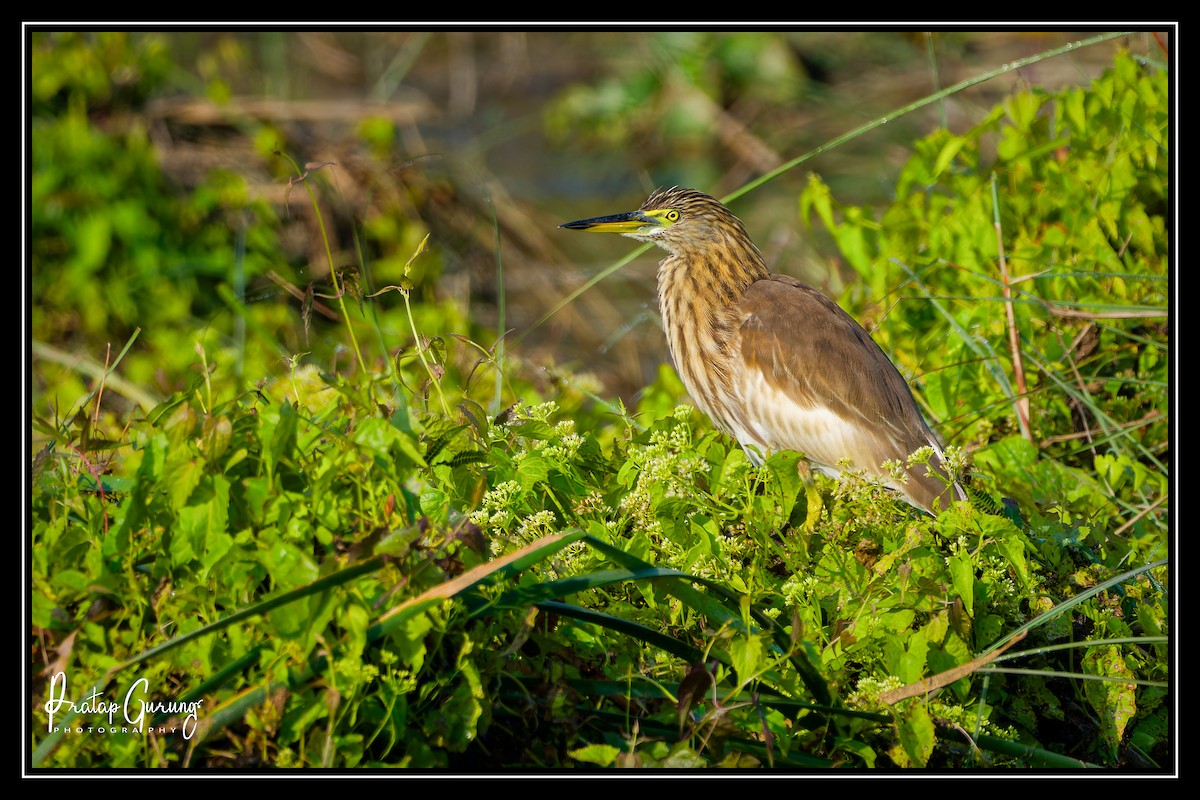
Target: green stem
[(337, 288)]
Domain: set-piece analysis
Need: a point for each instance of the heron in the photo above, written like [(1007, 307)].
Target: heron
[(774, 362)]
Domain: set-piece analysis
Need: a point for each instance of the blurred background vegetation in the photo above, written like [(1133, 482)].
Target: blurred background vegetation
[(157, 172)]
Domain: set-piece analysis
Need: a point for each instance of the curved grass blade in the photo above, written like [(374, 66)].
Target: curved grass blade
[(1035, 755), (514, 562), (721, 612), (316, 587), (564, 587), (1067, 605), (650, 636)]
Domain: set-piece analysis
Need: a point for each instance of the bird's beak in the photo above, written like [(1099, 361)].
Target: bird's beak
[(630, 222)]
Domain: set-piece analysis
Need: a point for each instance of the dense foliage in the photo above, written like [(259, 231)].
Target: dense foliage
[(379, 555)]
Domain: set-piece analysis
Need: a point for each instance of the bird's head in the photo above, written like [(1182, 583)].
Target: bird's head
[(675, 219)]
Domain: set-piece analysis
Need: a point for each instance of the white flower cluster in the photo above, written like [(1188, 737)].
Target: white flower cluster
[(563, 448), (535, 526), (494, 508), (666, 465), (801, 588), (866, 694), (996, 574), (542, 411)]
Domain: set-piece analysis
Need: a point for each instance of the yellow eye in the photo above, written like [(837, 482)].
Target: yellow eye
[(671, 216)]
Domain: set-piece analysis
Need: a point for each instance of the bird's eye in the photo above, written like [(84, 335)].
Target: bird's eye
[(671, 216)]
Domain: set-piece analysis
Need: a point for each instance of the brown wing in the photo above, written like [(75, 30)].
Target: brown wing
[(819, 384)]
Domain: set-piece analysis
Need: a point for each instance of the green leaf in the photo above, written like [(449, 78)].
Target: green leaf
[(1114, 700), (949, 150), (914, 727), (532, 470), (962, 576), (746, 654), (199, 524), (603, 755)]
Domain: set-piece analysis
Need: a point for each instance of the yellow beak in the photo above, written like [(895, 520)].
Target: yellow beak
[(630, 222)]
